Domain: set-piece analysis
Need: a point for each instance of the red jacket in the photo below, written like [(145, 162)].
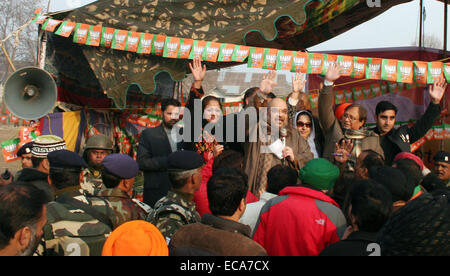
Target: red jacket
[(299, 222), (201, 196)]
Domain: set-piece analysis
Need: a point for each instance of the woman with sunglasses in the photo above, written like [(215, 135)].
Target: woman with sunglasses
[(309, 128)]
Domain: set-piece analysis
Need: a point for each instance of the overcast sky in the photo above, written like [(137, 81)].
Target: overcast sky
[(395, 28)]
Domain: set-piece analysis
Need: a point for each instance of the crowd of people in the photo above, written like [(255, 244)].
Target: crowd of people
[(307, 186)]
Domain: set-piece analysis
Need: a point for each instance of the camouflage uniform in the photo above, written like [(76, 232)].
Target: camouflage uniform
[(123, 206), (70, 231), (173, 211), (92, 182)]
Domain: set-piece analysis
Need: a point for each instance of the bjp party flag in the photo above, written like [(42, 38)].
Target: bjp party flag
[(255, 57), (373, 69), (65, 29), (226, 52), (389, 69), (300, 62)]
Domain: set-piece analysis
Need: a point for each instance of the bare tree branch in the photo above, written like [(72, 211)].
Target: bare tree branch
[(13, 14)]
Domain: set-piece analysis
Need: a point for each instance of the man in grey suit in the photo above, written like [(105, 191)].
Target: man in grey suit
[(155, 145)]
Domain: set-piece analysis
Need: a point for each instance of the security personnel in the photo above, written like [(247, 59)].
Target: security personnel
[(442, 166), (25, 157), (119, 171), (178, 208), (97, 147), (77, 222)]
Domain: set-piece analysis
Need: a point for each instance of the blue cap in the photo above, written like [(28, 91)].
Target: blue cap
[(65, 159), (184, 160), (121, 165)]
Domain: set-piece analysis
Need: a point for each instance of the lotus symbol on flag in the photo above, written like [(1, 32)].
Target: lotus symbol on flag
[(271, 58), (299, 61), (390, 69), (346, 65), (133, 40), (108, 36), (435, 72), (405, 70), (241, 53), (420, 71), (328, 63), (316, 63), (159, 45), (198, 50), (256, 57), (95, 35), (227, 53), (184, 48), (10, 148), (172, 47), (120, 38), (81, 33), (211, 52), (285, 59), (374, 68), (359, 67)]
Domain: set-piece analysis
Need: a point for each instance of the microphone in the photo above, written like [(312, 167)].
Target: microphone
[(283, 134)]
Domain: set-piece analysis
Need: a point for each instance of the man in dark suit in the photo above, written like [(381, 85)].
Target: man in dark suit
[(396, 140), (155, 145)]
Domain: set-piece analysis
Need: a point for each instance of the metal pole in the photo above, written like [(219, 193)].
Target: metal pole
[(48, 5), (421, 23), (445, 27), (43, 43)]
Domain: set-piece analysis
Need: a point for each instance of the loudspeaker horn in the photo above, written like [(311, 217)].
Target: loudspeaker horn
[(30, 93)]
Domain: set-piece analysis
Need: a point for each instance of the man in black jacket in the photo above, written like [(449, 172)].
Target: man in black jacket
[(394, 141), (155, 145), (368, 208)]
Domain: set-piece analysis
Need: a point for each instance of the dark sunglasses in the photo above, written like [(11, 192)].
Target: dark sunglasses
[(302, 124)]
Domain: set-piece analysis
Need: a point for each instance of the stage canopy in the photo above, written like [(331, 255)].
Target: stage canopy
[(91, 76)]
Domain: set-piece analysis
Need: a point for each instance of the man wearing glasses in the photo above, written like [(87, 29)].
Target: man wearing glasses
[(345, 138)]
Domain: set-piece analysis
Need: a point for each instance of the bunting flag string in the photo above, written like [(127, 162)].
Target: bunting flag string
[(401, 71)]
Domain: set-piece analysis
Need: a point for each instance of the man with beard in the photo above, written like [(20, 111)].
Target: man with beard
[(23, 214), (273, 147), (97, 148), (155, 145)]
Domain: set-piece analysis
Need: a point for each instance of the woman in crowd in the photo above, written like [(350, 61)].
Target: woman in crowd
[(309, 128)]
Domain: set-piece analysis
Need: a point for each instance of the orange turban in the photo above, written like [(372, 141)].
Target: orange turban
[(136, 238), (341, 109)]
